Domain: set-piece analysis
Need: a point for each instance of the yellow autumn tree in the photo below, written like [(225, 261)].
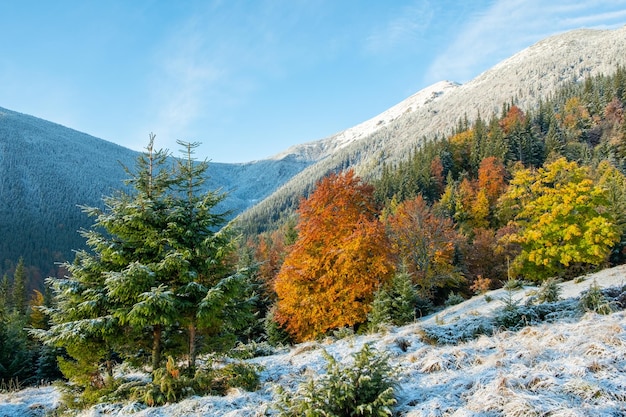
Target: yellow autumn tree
[(339, 260), (564, 221)]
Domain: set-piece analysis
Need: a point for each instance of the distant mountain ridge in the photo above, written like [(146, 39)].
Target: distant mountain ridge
[(536, 71), (320, 149), (46, 169)]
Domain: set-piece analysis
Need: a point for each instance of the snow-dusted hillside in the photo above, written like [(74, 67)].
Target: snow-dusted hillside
[(569, 367), (530, 75), (534, 72)]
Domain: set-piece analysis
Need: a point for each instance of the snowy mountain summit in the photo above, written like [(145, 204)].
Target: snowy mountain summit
[(319, 149), (535, 72), (416, 101)]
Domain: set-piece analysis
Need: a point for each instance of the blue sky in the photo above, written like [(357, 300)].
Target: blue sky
[(250, 78)]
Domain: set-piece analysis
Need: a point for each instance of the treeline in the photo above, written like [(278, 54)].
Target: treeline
[(23, 359), (582, 122)]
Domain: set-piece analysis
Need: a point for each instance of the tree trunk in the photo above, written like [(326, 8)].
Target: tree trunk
[(109, 364), (192, 349), (156, 347)]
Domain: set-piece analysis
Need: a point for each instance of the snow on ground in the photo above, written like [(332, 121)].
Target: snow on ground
[(29, 402), (566, 368), (613, 277)]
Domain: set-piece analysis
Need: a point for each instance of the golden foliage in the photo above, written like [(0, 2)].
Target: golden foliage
[(565, 219), (339, 260)]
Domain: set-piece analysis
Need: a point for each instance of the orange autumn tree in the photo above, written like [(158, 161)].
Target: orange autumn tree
[(269, 252), (340, 259), (492, 178)]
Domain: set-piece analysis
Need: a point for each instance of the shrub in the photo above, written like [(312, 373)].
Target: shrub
[(465, 329), (251, 350), (514, 318), (549, 292), (380, 314), (511, 315), (365, 388), (395, 303), (343, 333), (423, 306), (233, 375), (276, 334), (513, 284), (594, 300), (454, 299), (481, 285), (169, 385), (617, 296)]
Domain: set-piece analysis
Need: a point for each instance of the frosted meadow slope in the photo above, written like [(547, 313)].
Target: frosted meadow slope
[(571, 367)]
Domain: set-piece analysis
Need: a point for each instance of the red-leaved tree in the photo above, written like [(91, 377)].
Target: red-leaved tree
[(425, 244)]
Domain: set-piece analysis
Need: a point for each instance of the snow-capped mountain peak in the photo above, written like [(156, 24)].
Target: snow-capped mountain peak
[(321, 148), (416, 101)]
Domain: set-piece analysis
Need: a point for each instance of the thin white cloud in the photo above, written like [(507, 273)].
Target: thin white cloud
[(212, 63), (511, 25), (403, 28), (607, 19), (188, 68), (188, 76)]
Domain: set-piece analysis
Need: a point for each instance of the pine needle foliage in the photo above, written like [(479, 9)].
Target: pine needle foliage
[(395, 303), (593, 300), (364, 388), (158, 278), (549, 292)]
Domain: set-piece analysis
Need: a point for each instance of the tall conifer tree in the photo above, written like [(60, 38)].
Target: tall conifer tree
[(201, 253), (157, 262), (20, 288)]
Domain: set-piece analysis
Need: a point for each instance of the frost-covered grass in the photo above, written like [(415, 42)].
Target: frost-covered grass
[(571, 365)]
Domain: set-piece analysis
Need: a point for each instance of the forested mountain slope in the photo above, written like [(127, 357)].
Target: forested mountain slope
[(525, 79), (48, 170)]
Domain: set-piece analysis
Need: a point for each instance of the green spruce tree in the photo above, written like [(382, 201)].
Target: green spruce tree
[(6, 304), (20, 288), (158, 266), (200, 249), (131, 236)]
